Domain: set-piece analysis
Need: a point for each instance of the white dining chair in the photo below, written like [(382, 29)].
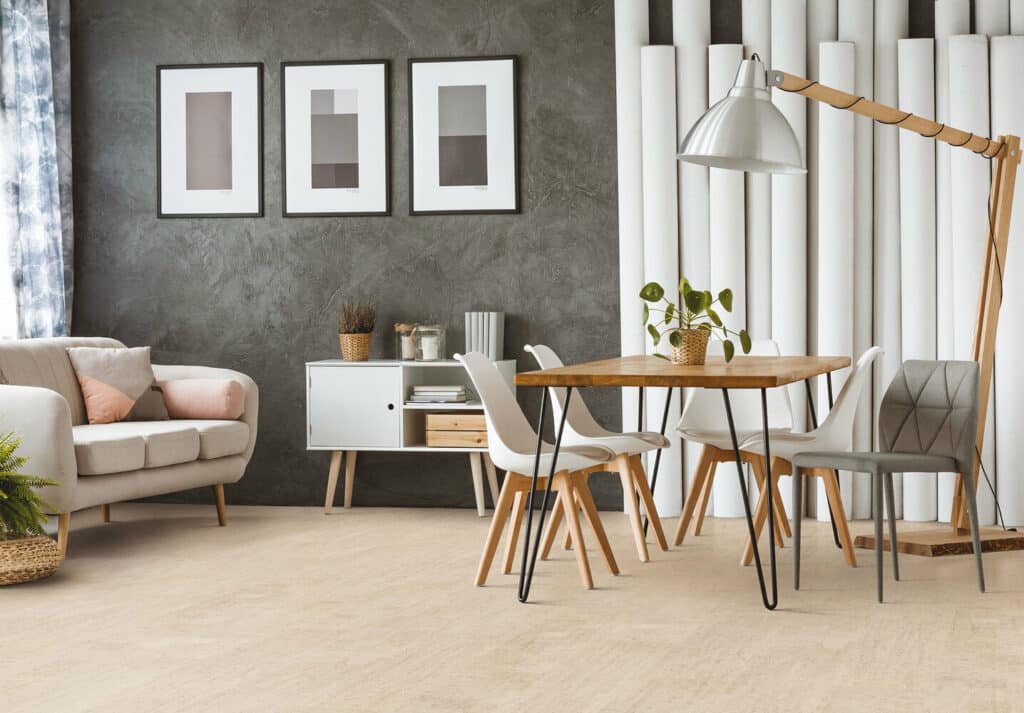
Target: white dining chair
[(512, 445), (582, 429), (834, 434), (704, 421)]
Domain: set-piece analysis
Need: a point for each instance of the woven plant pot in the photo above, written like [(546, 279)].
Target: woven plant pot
[(694, 349), (27, 559), (355, 347)]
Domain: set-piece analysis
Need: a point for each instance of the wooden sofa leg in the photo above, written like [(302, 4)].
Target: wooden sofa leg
[(63, 523), (105, 511), (222, 514)]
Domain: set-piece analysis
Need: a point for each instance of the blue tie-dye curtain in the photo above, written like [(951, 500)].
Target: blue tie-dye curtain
[(35, 166)]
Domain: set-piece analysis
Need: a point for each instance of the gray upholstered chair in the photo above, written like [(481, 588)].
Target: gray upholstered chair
[(927, 422)]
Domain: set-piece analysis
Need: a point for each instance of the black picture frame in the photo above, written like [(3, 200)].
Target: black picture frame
[(518, 154), (285, 213), (258, 66)]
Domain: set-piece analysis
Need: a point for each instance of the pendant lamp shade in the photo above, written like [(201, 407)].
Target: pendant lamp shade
[(744, 131)]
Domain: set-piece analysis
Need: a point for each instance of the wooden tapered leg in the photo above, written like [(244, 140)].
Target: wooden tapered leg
[(696, 491), (643, 488), (632, 508), (332, 481), (218, 497), (835, 500), (705, 497), (350, 476), (492, 476), (572, 518), (757, 466), (63, 524), (586, 500), (501, 512), (552, 529), (478, 483), (105, 513), (518, 508), (780, 468)]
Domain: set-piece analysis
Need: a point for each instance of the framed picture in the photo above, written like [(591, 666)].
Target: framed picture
[(209, 125), (334, 138), (463, 136)]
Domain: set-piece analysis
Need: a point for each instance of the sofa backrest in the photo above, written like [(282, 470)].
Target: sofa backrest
[(45, 363)]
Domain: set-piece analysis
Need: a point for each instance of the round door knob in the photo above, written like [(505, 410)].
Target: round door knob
[(391, 407)]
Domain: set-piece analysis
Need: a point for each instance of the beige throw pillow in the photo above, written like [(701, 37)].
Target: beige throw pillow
[(112, 380)]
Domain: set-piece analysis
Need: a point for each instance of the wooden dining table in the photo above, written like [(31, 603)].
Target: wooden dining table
[(743, 372)]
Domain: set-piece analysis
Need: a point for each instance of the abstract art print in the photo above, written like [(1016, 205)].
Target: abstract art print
[(334, 126), (463, 136), (209, 140)]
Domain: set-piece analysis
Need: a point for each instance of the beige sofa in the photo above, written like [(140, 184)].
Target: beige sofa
[(41, 402)]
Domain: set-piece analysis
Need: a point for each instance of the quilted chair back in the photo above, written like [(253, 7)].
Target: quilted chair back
[(931, 408)]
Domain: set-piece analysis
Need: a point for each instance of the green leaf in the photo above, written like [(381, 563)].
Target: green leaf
[(703, 325), (745, 341), (669, 312), (694, 301), (654, 334), (652, 292), (684, 287), (728, 349), (676, 338), (647, 314), (714, 317), (708, 299), (661, 356), (725, 297)]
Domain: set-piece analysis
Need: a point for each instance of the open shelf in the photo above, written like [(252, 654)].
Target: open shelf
[(467, 406)]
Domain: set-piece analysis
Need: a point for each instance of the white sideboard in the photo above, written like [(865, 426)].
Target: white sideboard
[(361, 406)]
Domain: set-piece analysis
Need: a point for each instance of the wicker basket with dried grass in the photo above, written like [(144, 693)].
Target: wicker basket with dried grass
[(355, 329)]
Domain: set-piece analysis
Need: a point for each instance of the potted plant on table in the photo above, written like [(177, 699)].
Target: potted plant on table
[(26, 552), (690, 323), (355, 327)]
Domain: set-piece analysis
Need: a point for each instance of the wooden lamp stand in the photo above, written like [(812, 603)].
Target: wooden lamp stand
[(1005, 152)]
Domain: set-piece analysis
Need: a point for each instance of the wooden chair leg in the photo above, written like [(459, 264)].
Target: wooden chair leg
[(552, 529), (518, 508), (501, 512), (705, 497), (492, 476), (572, 517), (643, 488), (63, 525), (779, 469), (218, 497), (350, 476), (760, 513), (628, 486), (105, 513), (696, 491), (586, 500), (757, 466), (332, 481), (831, 481)]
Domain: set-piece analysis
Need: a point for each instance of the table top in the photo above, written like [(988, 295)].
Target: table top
[(743, 372)]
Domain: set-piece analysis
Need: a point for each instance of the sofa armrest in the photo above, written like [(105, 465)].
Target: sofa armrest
[(250, 416), (41, 418)]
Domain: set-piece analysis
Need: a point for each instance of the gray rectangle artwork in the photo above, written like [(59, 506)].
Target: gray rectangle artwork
[(208, 141), (462, 135), (334, 138)]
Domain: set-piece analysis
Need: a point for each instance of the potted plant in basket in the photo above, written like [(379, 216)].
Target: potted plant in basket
[(26, 552), (691, 323), (355, 327)]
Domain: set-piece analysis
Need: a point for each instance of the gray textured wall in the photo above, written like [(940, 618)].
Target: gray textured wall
[(261, 295)]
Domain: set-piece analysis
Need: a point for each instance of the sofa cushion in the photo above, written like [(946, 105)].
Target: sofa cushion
[(112, 380), (163, 443), (220, 438), (209, 399)]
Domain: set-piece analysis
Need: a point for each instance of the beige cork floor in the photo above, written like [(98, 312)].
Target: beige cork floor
[(374, 610)]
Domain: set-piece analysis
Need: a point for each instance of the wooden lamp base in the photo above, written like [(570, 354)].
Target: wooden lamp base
[(945, 541)]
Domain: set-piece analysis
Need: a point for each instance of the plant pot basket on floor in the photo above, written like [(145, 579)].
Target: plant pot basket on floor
[(27, 559)]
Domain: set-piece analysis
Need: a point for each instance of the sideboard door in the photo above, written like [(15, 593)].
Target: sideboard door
[(354, 406)]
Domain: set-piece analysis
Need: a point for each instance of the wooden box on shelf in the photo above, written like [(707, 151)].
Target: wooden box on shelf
[(448, 430)]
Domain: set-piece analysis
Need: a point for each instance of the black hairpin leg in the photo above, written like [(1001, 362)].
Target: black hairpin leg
[(768, 604), (657, 456), (526, 573), (814, 423)]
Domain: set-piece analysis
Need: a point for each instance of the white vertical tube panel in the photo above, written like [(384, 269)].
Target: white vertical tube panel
[(822, 26), (969, 184), (632, 31), (1017, 17), (836, 210), (691, 34), (789, 206), (917, 244), (661, 232), (891, 25), (952, 17), (757, 38), (992, 17), (857, 25), (727, 246), (1007, 55)]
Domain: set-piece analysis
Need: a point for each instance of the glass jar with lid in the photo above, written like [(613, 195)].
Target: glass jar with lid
[(430, 342), (405, 342)]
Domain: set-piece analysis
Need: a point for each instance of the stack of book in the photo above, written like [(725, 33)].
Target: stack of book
[(485, 333), (430, 394)]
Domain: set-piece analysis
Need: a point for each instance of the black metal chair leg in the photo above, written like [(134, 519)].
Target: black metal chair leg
[(657, 457)]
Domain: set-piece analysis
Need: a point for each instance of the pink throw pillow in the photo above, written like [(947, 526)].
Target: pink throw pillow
[(222, 399)]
